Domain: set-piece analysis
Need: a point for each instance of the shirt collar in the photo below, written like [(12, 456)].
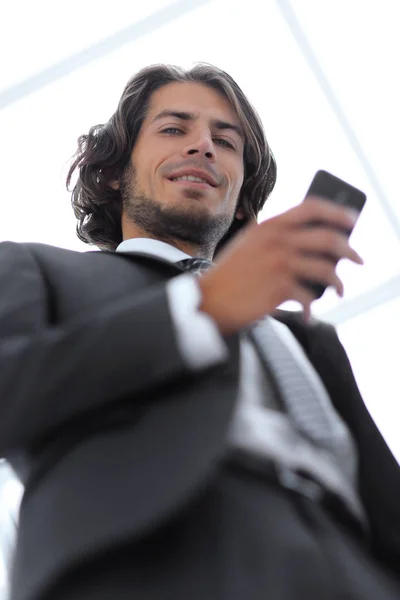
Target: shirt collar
[(152, 248)]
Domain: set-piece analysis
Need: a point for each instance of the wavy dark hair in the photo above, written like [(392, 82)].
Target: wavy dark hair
[(104, 153)]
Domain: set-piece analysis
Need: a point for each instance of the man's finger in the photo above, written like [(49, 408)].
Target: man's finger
[(315, 209), (327, 241)]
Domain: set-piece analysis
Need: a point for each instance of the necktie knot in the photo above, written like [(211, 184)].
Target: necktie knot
[(195, 265)]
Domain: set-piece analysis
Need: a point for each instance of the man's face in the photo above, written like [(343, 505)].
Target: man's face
[(186, 167)]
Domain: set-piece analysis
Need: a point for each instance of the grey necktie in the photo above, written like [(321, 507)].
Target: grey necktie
[(296, 392), (311, 412)]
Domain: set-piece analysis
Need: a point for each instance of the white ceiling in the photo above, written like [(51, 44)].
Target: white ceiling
[(323, 76)]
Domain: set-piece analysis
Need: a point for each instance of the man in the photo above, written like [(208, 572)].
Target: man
[(178, 437)]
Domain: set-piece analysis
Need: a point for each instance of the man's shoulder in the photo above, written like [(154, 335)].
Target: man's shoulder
[(40, 249), (295, 319), (306, 332), (36, 247)]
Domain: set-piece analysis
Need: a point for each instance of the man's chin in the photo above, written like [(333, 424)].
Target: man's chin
[(184, 194), (187, 216), (189, 203), (190, 193)]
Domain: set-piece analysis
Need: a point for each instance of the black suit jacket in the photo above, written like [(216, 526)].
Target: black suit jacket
[(109, 430)]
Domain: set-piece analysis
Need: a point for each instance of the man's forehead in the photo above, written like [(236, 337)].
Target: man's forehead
[(191, 97)]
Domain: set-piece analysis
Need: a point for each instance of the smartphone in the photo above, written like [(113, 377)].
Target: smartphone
[(333, 189)]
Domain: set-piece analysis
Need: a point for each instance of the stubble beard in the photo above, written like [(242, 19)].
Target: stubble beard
[(173, 223)]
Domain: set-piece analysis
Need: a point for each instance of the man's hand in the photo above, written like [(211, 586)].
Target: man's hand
[(265, 263)]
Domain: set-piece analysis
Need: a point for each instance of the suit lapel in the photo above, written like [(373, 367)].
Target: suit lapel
[(323, 349)]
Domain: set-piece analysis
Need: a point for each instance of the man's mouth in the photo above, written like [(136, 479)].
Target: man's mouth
[(191, 180), (193, 177)]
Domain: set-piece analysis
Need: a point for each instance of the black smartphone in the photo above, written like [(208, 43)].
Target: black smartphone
[(333, 189)]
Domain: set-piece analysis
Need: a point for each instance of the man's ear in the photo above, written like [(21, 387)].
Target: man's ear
[(114, 184), (240, 214)]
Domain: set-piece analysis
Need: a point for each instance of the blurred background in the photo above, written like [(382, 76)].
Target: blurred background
[(324, 78)]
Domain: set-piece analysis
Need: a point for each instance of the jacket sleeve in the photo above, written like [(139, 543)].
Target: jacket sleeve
[(379, 472), (52, 373)]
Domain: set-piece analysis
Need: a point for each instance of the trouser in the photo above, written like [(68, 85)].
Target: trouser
[(244, 538)]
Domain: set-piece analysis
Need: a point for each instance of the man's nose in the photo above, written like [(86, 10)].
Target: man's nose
[(202, 145)]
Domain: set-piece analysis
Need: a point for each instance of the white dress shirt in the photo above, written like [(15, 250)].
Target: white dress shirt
[(259, 426)]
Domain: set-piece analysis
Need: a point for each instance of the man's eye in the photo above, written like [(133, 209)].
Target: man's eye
[(224, 143), (173, 130)]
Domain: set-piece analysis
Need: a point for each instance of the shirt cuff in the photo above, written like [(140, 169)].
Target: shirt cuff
[(198, 337)]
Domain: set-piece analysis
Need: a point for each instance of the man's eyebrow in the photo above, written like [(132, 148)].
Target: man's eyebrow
[(224, 125), (183, 116), (187, 116)]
